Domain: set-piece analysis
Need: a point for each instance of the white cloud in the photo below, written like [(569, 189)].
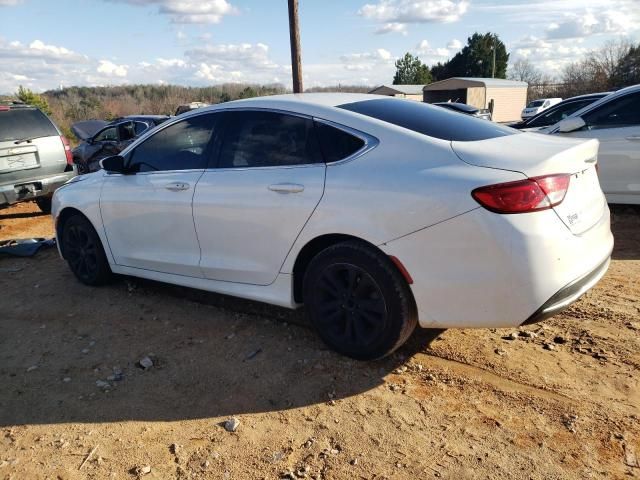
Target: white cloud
[(110, 69), (392, 27), (9, 3), (430, 55), (188, 11), (548, 56), (589, 23), (415, 11), (454, 44), (39, 50)]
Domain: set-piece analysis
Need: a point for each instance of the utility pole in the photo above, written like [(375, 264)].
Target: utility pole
[(493, 70), (294, 36)]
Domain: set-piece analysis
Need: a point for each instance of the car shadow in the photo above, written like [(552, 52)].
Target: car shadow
[(625, 224), (13, 216), (213, 356)]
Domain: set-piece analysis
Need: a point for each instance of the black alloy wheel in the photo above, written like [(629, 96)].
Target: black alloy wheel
[(83, 251), (358, 301)]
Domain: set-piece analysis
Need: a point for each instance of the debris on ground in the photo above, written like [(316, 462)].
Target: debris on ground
[(232, 424)]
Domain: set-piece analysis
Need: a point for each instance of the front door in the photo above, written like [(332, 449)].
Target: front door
[(147, 213), (250, 209)]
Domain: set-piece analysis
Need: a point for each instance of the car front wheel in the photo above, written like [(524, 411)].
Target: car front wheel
[(82, 249), (358, 301)]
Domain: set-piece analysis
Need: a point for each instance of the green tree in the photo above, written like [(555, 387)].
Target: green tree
[(476, 59), (411, 71), (627, 71), (27, 96)]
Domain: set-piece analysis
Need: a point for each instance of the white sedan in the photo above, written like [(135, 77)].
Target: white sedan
[(615, 121), (375, 213)]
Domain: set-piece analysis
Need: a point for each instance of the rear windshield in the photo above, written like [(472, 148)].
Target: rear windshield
[(23, 123), (429, 120)]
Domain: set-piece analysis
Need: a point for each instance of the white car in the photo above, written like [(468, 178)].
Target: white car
[(537, 106), (376, 213), (615, 121)]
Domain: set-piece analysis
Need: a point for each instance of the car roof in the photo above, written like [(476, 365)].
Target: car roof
[(300, 99)]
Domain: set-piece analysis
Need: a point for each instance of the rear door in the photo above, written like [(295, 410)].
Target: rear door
[(616, 124), (147, 214), (250, 208)]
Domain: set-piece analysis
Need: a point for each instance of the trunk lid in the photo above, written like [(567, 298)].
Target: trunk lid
[(87, 129), (536, 155)]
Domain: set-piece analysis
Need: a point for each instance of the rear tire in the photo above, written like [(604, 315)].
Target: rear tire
[(358, 302), (44, 204), (83, 252)]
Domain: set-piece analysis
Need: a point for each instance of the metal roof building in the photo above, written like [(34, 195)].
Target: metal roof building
[(413, 92), (509, 96)]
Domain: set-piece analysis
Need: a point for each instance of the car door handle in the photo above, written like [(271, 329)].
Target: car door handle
[(286, 188), (634, 138), (177, 186)]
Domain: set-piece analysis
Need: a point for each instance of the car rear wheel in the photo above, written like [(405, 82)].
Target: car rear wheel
[(83, 252), (358, 302), (44, 204)]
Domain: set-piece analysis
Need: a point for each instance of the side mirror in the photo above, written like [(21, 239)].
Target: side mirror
[(571, 124), (114, 164)]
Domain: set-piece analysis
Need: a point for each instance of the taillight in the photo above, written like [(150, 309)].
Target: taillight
[(530, 195), (67, 149)]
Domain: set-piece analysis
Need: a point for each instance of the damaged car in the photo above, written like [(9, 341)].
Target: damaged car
[(101, 139)]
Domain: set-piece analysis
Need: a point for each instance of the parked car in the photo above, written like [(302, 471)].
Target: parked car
[(615, 121), (187, 107), (35, 158), (102, 139), (376, 213), (557, 112), (484, 113), (537, 106)]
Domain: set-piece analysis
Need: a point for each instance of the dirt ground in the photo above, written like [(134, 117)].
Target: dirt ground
[(561, 400)]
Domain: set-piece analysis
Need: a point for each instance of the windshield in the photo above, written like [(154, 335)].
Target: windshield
[(432, 121), (535, 103), (25, 123)]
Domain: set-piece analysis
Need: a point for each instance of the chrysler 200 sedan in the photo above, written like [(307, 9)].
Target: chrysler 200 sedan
[(375, 213)]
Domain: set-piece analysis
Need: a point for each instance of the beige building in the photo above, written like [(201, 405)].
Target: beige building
[(412, 92), (509, 96)]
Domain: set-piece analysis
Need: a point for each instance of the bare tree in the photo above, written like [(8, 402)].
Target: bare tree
[(524, 71)]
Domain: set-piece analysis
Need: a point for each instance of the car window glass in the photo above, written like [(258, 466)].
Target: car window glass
[(19, 123), (621, 112), (140, 127), (126, 131), (266, 139), (556, 114), (181, 146), (336, 144), (429, 120), (108, 134)]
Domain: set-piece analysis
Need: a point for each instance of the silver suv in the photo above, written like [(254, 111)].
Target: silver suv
[(35, 158)]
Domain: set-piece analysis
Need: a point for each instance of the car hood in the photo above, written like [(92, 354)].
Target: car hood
[(87, 129)]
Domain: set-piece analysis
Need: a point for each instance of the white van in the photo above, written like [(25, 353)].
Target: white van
[(537, 106)]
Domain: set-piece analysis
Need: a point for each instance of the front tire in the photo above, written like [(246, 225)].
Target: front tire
[(358, 302), (82, 249)]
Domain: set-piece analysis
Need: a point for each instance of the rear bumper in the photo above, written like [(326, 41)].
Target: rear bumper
[(564, 297), (485, 270), (33, 188)]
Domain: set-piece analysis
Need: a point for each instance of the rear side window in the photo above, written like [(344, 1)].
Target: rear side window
[(181, 146), (557, 114), (429, 120), (337, 144), (267, 139), (24, 123)]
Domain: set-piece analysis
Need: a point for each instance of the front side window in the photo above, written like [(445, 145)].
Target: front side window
[(181, 146), (108, 134), (140, 127), (267, 139), (556, 114), (621, 112)]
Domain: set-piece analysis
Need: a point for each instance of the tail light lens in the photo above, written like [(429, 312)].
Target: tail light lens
[(530, 195), (67, 150)]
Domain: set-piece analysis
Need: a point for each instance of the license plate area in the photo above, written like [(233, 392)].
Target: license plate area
[(19, 161), (584, 203)]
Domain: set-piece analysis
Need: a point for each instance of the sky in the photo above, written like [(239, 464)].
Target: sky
[(47, 44)]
